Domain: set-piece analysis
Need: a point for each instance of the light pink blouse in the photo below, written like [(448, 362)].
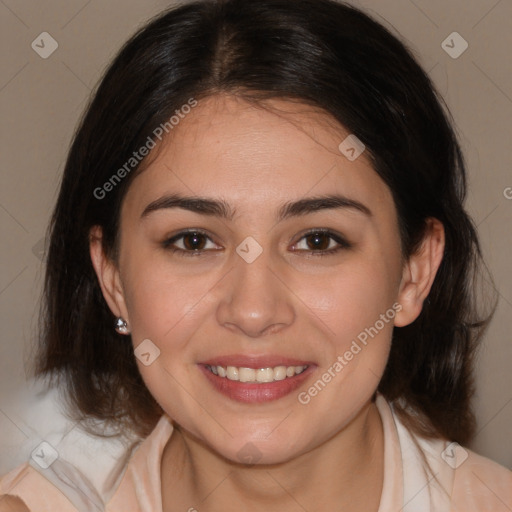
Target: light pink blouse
[(419, 476)]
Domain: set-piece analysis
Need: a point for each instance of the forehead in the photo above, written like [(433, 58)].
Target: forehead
[(252, 155)]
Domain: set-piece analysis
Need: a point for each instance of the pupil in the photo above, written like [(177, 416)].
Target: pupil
[(319, 241), (193, 240)]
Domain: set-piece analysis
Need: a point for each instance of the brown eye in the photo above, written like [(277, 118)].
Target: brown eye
[(191, 242), (320, 241), (194, 241)]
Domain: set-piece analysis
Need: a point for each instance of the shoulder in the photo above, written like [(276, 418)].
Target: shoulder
[(72, 483), (470, 482), (481, 484), (24, 489), (9, 503), (452, 477)]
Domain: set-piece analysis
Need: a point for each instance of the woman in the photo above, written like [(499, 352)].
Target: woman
[(260, 264)]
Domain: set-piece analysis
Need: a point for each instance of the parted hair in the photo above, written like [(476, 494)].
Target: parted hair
[(318, 52)]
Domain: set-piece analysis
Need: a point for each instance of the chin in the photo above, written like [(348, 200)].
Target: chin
[(247, 451)]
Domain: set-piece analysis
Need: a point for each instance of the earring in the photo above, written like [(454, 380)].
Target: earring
[(121, 326)]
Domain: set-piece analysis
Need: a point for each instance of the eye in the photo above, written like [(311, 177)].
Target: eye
[(190, 243), (321, 242), (316, 242)]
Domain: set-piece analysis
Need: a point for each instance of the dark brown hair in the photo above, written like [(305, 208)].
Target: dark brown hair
[(320, 53)]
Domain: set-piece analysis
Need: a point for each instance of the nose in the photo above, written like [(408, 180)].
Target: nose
[(254, 300)]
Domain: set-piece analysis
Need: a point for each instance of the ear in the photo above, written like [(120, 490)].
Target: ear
[(108, 274), (419, 273)]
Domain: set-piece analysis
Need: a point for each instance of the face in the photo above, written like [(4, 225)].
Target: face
[(272, 305)]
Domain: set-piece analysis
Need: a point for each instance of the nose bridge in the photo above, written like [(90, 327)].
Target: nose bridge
[(254, 300)]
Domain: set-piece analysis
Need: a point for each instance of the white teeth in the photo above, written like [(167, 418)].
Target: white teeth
[(264, 375), (280, 373), (256, 375), (246, 375), (232, 373)]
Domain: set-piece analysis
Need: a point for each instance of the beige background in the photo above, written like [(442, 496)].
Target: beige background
[(42, 99)]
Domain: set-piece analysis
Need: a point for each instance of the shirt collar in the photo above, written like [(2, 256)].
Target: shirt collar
[(141, 482)]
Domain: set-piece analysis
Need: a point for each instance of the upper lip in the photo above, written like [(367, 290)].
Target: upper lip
[(255, 362)]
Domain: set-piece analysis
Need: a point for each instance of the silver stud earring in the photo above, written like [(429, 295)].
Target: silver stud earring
[(122, 326)]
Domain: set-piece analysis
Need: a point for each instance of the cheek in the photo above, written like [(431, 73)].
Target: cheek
[(357, 304), (359, 309), (160, 302), (350, 299), (168, 310)]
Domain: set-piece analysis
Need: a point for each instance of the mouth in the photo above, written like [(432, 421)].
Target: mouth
[(256, 380)]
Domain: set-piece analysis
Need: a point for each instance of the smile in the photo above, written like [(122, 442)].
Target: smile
[(256, 375), (257, 379)]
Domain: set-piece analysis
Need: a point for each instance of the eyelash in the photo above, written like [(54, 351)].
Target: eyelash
[(342, 243)]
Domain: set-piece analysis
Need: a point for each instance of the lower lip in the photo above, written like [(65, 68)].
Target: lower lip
[(250, 392)]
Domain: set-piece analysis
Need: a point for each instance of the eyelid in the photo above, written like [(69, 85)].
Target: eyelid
[(167, 243), (339, 239)]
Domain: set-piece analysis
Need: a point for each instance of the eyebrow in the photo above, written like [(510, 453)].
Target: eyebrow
[(220, 208)]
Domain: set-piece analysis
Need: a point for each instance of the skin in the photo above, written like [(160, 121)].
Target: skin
[(10, 503), (327, 454)]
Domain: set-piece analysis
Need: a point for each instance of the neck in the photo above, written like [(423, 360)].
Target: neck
[(343, 473)]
